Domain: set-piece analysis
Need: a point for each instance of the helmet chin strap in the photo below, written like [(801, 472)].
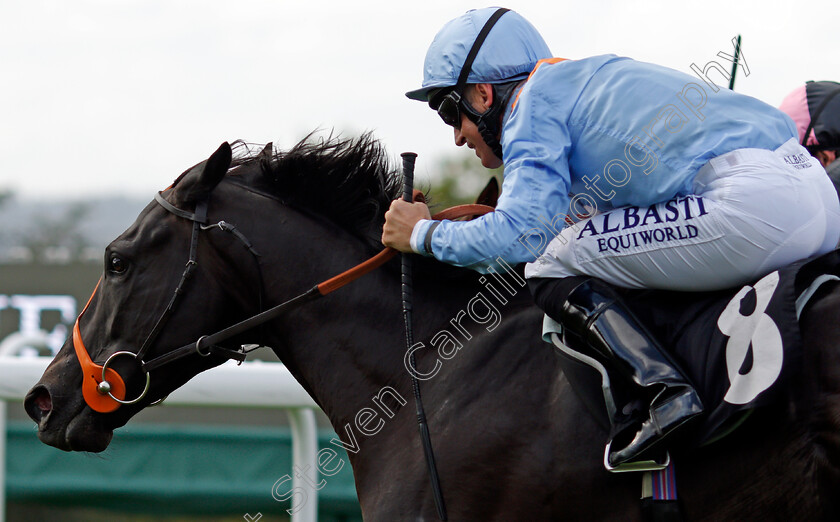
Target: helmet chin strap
[(490, 123)]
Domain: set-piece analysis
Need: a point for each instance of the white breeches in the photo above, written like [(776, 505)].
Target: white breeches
[(752, 212)]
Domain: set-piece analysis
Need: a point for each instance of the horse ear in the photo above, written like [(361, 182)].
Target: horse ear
[(490, 195), (265, 156), (198, 185)]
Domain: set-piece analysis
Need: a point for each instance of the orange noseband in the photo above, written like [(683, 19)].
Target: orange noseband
[(95, 393)]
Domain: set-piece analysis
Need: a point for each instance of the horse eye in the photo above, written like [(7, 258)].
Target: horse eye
[(117, 265)]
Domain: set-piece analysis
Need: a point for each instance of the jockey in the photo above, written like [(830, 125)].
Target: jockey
[(616, 173), (815, 109)]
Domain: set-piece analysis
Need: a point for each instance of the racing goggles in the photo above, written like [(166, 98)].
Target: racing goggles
[(450, 107)]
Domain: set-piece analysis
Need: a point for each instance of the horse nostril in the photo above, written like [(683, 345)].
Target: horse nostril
[(38, 403), (44, 402)]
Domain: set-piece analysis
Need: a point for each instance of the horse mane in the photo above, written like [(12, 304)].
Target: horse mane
[(350, 181)]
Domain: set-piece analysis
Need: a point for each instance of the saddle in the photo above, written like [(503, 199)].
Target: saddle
[(738, 346)]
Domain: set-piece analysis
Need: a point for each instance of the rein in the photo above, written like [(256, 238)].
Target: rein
[(102, 387)]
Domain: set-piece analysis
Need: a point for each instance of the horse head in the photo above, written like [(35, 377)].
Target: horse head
[(144, 291)]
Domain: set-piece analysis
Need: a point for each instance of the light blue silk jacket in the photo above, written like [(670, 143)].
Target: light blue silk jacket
[(585, 136)]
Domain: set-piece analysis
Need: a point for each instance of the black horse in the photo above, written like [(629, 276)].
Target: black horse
[(512, 440)]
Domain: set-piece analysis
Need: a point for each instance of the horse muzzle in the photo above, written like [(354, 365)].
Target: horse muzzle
[(70, 427)]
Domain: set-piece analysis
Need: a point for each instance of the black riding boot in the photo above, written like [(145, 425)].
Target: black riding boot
[(597, 322)]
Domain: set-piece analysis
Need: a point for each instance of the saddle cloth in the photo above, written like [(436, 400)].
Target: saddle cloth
[(738, 346)]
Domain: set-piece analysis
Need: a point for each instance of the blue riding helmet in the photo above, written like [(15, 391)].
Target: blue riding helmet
[(510, 52)]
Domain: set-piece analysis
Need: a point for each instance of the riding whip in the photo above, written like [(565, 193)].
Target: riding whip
[(735, 63), (407, 298)]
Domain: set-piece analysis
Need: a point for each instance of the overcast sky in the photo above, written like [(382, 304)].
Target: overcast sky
[(119, 96)]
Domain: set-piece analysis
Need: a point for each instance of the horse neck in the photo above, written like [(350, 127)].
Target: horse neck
[(348, 346)]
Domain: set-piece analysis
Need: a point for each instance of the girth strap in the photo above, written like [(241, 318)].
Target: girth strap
[(659, 495)]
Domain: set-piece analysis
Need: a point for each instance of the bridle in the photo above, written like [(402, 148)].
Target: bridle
[(104, 389), (110, 388)]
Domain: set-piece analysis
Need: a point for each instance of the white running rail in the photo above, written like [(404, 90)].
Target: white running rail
[(253, 384)]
